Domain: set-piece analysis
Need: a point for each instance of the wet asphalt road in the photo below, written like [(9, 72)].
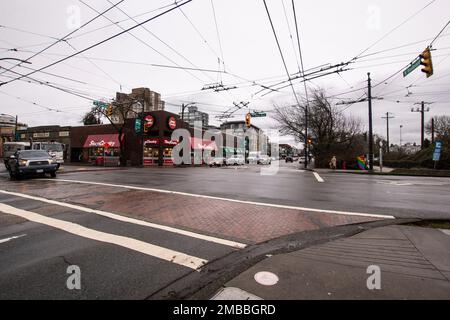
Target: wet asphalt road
[(402, 197), (34, 265)]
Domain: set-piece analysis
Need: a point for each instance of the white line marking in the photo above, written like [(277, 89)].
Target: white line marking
[(446, 231), (319, 178), (12, 238), (131, 220), (227, 199), (129, 243)]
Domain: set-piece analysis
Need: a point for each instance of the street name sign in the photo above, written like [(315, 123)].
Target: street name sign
[(101, 104), (411, 67), (258, 114)]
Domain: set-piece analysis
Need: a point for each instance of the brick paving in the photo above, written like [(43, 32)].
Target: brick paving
[(245, 222)]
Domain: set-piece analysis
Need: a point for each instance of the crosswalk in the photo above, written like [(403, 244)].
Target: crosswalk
[(157, 251)]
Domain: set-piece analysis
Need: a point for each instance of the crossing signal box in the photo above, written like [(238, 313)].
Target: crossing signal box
[(426, 62), (248, 118)]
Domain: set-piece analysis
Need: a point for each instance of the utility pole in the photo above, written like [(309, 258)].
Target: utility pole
[(15, 128), (369, 98), (401, 127), (387, 128), (422, 111), (306, 137), (432, 130)]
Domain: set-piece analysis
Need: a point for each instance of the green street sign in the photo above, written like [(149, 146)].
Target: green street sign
[(411, 67), (100, 104), (137, 125), (258, 114)]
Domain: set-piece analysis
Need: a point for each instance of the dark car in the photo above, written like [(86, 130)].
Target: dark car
[(289, 159), (31, 162)]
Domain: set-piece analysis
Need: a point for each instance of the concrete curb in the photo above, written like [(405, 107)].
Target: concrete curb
[(203, 284)]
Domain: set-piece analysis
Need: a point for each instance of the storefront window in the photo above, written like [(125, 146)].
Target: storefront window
[(150, 152), (168, 152)]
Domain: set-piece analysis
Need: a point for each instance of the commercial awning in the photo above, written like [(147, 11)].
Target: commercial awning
[(102, 140), (203, 144)]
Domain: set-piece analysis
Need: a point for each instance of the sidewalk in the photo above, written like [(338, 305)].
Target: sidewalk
[(414, 264), (375, 170), (69, 168)]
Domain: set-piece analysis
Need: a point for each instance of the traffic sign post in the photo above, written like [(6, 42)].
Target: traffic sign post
[(437, 152)]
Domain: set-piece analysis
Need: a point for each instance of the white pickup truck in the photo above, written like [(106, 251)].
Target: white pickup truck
[(55, 149)]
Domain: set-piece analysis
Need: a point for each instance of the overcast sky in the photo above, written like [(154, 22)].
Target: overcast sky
[(243, 45)]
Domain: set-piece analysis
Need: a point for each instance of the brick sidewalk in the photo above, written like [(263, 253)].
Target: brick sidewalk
[(245, 222)]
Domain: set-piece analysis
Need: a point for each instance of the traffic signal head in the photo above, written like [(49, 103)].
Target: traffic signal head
[(425, 60), (248, 119), (109, 111), (309, 141)]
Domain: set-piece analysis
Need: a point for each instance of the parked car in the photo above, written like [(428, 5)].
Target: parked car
[(301, 159), (263, 159), (236, 160), (31, 162), (217, 162), (289, 159), (253, 157)]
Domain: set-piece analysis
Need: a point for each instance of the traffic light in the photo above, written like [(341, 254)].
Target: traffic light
[(248, 118), (426, 62), (109, 111), (309, 141)]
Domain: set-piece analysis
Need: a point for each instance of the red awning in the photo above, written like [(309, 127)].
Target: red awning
[(99, 140), (203, 144)]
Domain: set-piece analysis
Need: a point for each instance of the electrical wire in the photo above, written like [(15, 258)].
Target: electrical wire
[(100, 42), (70, 33)]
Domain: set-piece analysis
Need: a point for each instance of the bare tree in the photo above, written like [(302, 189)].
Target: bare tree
[(441, 127), (117, 113), (331, 132)]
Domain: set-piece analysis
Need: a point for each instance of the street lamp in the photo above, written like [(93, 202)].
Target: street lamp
[(184, 106)]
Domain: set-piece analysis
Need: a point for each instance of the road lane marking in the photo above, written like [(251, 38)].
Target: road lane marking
[(263, 204), (446, 231), (12, 238), (318, 177), (118, 217), (126, 242)]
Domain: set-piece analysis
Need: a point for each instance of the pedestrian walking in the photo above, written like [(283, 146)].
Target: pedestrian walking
[(333, 163)]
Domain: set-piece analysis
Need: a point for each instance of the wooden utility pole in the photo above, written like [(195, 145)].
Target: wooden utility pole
[(422, 111), (387, 129)]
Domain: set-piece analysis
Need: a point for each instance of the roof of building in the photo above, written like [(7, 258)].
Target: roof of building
[(238, 122)]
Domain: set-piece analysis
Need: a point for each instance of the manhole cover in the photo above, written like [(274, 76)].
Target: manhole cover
[(266, 278)]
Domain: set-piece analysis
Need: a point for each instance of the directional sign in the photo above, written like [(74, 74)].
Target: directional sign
[(437, 151), (436, 156)]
